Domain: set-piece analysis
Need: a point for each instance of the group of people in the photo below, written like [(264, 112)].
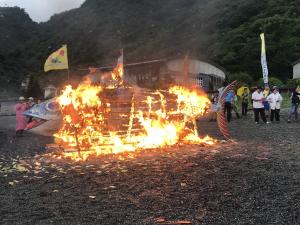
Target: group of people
[(265, 103), (21, 119)]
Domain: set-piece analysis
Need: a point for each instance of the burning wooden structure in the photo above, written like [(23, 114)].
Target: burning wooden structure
[(112, 116), (106, 121)]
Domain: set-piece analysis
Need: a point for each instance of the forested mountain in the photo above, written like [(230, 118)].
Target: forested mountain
[(223, 31), (240, 24), (16, 29), (145, 29)]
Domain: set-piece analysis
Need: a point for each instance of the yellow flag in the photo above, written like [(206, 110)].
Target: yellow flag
[(263, 43), (57, 60)]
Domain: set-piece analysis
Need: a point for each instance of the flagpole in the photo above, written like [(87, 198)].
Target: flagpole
[(68, 72), (68, 68), (264, 63)]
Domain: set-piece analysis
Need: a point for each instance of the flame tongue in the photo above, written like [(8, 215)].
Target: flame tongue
[(99, 120)]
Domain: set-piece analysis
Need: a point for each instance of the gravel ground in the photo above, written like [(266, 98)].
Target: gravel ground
[(253, 181), (7, 108)]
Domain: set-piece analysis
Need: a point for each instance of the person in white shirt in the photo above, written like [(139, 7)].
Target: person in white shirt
[(258, 107), (275, 100)]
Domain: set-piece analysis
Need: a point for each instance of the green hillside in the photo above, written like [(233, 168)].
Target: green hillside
[(16, 59), (241, 22), (224, 31)]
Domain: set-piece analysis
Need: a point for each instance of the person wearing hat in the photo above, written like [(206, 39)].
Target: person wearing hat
[(30, 103), (21, 120), (258, 106), (275, 100)]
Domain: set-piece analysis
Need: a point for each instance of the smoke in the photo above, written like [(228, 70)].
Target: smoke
[(42, 10)]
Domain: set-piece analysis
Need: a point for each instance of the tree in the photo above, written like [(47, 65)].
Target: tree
[(273, 81), (223, 31), (242, 77), (292, 83), (34, 88)]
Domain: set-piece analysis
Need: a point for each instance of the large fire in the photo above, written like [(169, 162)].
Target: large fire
[(100, 119)]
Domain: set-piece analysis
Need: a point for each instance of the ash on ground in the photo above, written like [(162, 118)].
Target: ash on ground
[(254, 181)]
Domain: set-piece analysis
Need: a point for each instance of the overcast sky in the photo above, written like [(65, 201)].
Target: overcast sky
[(42, 10)]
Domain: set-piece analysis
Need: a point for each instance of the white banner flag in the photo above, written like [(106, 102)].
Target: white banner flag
[(264, 64)]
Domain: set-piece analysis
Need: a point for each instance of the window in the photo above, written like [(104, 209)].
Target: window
[(199, 81)]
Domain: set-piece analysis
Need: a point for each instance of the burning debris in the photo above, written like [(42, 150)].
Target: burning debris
[(113, 118)]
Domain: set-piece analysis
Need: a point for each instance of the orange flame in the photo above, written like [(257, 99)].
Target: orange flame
[(99, 120)]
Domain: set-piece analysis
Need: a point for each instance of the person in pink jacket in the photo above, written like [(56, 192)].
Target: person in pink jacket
[(21, 120)]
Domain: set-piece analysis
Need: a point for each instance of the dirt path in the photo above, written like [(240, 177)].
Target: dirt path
[(256, 181)]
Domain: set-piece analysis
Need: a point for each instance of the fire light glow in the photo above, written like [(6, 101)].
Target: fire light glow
[(110, 120)]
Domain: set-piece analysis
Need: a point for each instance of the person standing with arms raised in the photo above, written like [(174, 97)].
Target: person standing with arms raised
[(258, 106)]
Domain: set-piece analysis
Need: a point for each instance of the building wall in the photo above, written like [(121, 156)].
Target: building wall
[(208, 82), (202, 74), (196, 67), (146, 76), (165, 73), (296, 71)]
